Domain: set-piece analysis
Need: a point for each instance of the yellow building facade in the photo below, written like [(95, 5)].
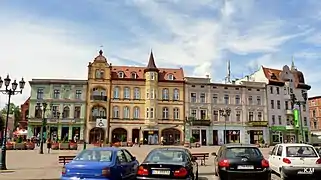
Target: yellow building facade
[(137, 103)]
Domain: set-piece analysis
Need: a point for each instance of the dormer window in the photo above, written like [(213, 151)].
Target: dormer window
[(170, 77), (121, 74), (134, 75), (273, 76)]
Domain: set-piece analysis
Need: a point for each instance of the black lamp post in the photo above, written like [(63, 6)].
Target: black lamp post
[(225, 112), (299, 103), (10, 92), (44, 122)]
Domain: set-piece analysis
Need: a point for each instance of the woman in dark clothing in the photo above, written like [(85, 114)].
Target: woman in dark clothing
[(48, 145)]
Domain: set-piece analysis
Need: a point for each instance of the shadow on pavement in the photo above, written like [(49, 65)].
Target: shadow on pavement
[(202, 178)]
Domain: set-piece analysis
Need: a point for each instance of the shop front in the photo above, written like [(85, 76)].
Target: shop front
[(233, 134), (257, 132), (276, 134), (200, 132), (150, 135)]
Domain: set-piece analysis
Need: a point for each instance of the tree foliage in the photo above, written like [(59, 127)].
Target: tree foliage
[(15, 110)]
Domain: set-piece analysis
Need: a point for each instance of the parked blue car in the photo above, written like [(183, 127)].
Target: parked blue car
[(106, 163)]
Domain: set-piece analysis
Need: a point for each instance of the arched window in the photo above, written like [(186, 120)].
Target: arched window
[(165, 113), (165, 94), (136, 112), (176, 94), (170, 77), (98, 112), (116, 112), (116, 92), (66, 112), (176, 113), (136, 93), (126, 93), (126, 112)]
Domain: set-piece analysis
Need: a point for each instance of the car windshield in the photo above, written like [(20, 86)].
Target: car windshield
[(166, 156), (95, 155), (243, 152), (300, 151)]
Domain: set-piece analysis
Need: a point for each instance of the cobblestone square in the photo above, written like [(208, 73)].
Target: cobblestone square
[(25, 165)]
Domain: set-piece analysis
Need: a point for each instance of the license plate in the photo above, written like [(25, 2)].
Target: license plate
[(245, 167), (306, 171), (161, 172)]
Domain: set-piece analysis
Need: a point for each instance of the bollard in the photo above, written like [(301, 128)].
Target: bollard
[(85, 145)]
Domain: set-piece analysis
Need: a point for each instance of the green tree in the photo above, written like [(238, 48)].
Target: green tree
[(15, 110)]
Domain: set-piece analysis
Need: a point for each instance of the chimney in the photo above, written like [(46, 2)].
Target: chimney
[(247, 78), (233, 81), (207, 76)]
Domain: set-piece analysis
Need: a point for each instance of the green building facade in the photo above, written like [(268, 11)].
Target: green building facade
[(66, 110)]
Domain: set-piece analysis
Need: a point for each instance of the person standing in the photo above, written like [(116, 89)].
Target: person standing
[(48, 145)]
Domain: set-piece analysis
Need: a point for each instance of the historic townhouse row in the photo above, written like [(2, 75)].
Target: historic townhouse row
[(126, 103)]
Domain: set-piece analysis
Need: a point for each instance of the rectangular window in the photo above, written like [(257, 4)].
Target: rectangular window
[(193, 113), (258, 100), (202, 97), (280, 120), (251, 116), (136, 93), (278, 103), (237, 99), (238, 116), (250, 100), (226, 99), (215, 97), (40, 93), (273, 119), (215, 115), (259, 116), (193, 97), (272, 104), (78, 94), (77, 112), (56, 94)]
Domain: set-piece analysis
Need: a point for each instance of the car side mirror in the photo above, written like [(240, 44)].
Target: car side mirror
[(194, 158), (214, 154)]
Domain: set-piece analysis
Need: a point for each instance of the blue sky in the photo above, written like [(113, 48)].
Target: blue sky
[(57, 38)]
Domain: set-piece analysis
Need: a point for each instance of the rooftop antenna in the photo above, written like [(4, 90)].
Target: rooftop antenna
[(228, 75)]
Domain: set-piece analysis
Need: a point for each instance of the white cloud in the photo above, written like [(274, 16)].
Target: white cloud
[(57, 49)]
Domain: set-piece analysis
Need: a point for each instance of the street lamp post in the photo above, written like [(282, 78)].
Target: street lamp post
[(299, 103), (44, 109), (225, 112), (10, 92)]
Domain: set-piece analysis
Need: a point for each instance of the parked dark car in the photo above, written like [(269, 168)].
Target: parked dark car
[(235, 161), (168, 163)]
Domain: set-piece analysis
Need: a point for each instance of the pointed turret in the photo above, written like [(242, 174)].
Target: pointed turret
[(293, 68), (151, 66)]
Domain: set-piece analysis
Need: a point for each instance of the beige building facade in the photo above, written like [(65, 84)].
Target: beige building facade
[(134, 103), (247, 122)]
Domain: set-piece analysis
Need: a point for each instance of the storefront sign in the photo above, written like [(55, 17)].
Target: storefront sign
[(258, 123), (278, 128), (101, 123)]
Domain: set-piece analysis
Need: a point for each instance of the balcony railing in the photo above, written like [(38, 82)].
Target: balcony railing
[(98, 98)]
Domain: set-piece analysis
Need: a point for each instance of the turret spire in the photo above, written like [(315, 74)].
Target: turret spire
[(151, 66), (292, 64)]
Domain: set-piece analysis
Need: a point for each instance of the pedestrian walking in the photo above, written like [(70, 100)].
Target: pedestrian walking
[(48, 145)]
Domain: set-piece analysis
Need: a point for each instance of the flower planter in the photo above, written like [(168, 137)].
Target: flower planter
[(123, 144), (20, 146), (30, 146), (64, 146), (73, 146), (197, 145), (55, 146), (117, 144), (97, 144), (130, 144), (9, 146)]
